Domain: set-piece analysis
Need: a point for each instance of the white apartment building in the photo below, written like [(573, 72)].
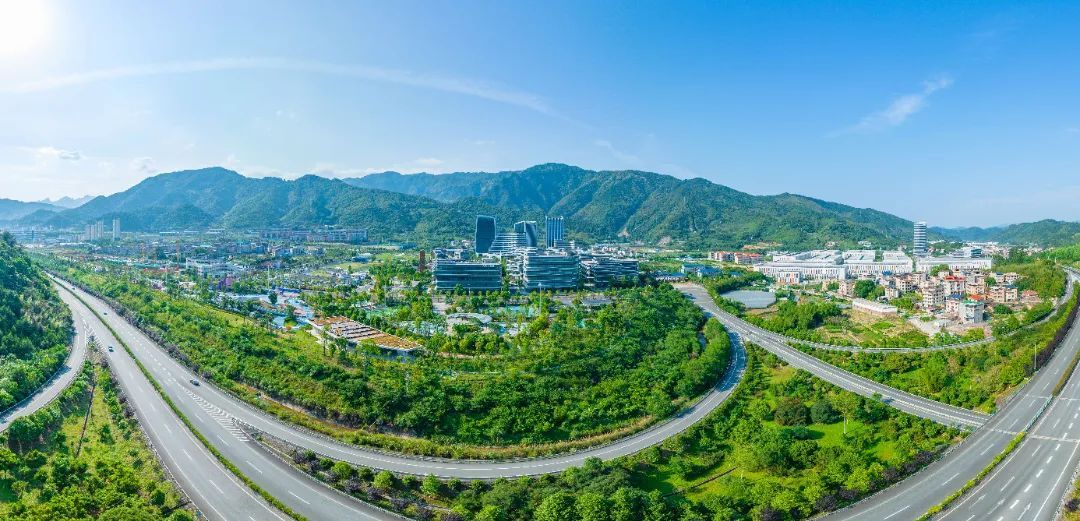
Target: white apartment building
[(933, 296)]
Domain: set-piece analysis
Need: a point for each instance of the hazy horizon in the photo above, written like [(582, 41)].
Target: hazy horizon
[(957, 115)]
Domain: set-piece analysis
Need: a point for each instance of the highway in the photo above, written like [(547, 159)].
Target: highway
[(214, 489), (206, 400), (1035, 473), (906, 500), (778, 345), (56, 384)]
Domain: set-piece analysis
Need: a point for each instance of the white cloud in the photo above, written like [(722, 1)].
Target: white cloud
[(466, 86), (624, 157), (143, 165), (57, 153), (900, 109), (428, 161)]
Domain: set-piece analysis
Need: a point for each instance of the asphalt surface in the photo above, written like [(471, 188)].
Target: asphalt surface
[(215, 412), (778, 345), (1027, 485), (215, 490), (56, 384), (207, 399)]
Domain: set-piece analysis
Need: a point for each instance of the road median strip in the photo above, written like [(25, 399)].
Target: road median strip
[(187, 422), (973, 482)]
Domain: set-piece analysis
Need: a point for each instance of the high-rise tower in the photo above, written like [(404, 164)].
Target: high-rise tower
[(528, 229), (919, 243), (554, 231), (485, 233)]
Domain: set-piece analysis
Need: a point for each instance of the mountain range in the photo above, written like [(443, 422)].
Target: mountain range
[(626, 205)]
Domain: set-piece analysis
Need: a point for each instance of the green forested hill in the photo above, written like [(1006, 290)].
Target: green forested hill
[(651, 207), (1047, 232), (35, 326), (598, 206)]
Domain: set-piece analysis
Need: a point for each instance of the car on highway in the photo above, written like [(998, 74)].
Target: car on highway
[(110, 349), (194, 381)]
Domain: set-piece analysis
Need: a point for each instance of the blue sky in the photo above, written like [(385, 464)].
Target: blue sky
[(959, 113)]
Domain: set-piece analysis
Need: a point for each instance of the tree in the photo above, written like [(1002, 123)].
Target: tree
[(342, 470), (592, 506), (791, 411), (848, 404), (384, 481), (559, 506), (823, 412), (431, 485), (272, 295), (865, 288)]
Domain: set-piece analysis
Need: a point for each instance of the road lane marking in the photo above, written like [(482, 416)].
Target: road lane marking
[(300, 498), (897, 512), (215, 486), (1048, 460), (253, 466), (988, 445), (1039, 473), (1027, 488), (1056, 447), (1007, 483), (950, 478), (186, 453), (1014, 503)]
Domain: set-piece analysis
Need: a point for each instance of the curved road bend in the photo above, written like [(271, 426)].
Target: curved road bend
[(198, 402), (57, 383), (777, 344), (1043, 460), (215, 490)]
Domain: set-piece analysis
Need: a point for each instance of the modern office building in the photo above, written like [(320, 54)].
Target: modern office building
[(506, 243), (809, 265), (485, 233), (528, 229), (549, 271), (469, 276), (864, 262), (602, 270), (925, 264), (554, 232), (919, 244)]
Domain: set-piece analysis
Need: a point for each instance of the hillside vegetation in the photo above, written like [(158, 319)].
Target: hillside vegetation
[(52, 468), (598, 206), (571, 375), (35, 326)]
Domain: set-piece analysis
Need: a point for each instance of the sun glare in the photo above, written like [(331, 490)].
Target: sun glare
[(24, 26)]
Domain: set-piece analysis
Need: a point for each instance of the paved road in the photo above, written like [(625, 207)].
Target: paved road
[(215, 490), (225, 406), (778, 345), (56, 384), (1043, 460)]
